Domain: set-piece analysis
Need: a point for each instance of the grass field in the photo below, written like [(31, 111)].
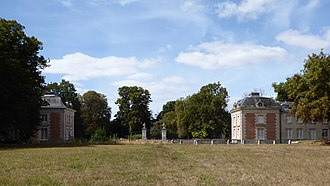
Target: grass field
[(167, 164)]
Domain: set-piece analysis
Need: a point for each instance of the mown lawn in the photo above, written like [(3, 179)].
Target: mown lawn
[(167, 164)]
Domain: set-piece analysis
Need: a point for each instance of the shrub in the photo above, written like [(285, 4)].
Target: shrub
[(99, 135)]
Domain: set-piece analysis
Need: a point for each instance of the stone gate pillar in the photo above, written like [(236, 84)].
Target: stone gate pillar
[(144, 132), (164, 133)]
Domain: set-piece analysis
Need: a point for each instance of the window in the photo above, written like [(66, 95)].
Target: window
[(43, 134), (299, 121), (312, 134), (44, 117), (260, 119), (261, 134), (238, 135), (238, 121), (300, 133), (325, 133), (288, 119), (288, 133), (325, 121)]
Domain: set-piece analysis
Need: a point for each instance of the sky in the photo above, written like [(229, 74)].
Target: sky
[(173, 47)]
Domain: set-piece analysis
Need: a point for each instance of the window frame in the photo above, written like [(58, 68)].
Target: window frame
[(289, 131), (44, 134), (300, 133), (323, 133), (259, 132), (312, 136)]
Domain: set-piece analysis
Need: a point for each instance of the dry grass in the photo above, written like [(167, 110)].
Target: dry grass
[(167, 164)]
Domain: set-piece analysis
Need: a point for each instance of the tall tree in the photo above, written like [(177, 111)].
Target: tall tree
[(310, 90), (166, 117), (182, 118), (70, 97), (95, 112), (20, 80), (133, 103), (207, 112), (281, 90)]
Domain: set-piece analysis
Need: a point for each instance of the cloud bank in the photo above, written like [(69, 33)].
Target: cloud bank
[(217, 54), (307, 41), (79, 66)]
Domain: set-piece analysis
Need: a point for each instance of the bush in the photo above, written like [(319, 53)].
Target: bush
[(135, 137), (99, 135)]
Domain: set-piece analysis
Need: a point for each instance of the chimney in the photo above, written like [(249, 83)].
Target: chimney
[(255, 94)]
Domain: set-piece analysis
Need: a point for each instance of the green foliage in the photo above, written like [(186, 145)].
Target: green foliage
[(20, 81), (167, 117), (99, 135), (182, 119), (310, 90), (133, 103), (201, 115), (156, 130), (206, 112), (281, 90), (94, 112), (135, 137), (199, 134)]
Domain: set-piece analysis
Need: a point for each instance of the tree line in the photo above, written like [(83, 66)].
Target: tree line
[(23, 85), (200, 115)]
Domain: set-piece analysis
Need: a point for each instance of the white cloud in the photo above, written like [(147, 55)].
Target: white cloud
[(174, 80), (125, 2), (66, 3), (140, 76), (307, 41), (191, 6), (164, 49), (247, 9), (80, 66), (213, 55), (168, 85)]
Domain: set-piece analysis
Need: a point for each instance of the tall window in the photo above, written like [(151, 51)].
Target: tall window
[(238, 121), (43, 134), (261, 134), (312, 134), (288, 133), (300, 133), (288, 119), (234, 121), (325, 133), (260, 119)]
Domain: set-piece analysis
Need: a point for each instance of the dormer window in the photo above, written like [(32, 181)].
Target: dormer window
[(260, 104)]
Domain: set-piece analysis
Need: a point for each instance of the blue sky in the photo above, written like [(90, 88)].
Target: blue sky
[(173, 47)]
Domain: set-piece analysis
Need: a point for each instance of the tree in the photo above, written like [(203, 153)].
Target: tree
[(182, 118), (206, 111), (310, 90), (69, 96), (281, 90), (167, 117), (94, 112), (133, 103), (20, 81)]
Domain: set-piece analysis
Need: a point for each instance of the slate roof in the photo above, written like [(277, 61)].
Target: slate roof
[(256, 101)]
